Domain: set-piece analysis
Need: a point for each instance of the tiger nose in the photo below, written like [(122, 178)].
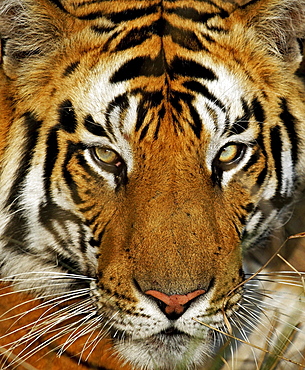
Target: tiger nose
[(173, 306)]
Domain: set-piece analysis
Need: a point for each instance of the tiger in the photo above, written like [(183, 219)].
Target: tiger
[(151, 151)]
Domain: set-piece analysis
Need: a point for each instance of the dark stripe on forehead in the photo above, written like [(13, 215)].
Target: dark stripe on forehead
[(146, 66), (177, 99), (195, 15), (148, 101), (185, 38), (123, 16), (134, 13), (197, 87), (121, 102), (189, 68), (139, 66)]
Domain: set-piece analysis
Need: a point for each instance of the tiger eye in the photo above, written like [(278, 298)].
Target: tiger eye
[(107, 156), (229, 153)]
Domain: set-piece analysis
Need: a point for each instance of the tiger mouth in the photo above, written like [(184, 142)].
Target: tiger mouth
[(172, 332)]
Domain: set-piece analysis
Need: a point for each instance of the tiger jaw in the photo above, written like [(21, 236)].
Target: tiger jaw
[(165, 352), (185, 343)]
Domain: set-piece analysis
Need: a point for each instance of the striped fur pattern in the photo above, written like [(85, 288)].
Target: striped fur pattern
[(147, 146)]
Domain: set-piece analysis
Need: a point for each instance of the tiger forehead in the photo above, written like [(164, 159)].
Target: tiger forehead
[(152, 38), (155, 62)]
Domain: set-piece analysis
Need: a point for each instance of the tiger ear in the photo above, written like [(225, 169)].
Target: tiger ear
[(280, 25), (28, 30)]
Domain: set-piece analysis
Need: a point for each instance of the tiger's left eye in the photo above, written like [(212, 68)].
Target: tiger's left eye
[(107, 156), (107, 159), (229, 156)]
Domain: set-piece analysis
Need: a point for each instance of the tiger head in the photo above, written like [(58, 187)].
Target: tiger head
[(146, 147)]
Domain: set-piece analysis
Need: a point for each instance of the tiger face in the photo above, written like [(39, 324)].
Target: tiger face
[(147, 146)]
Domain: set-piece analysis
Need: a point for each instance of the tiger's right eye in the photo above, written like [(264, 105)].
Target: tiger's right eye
[(107, 159)]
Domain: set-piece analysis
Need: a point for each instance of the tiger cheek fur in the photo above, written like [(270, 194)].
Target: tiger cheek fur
[(147, 147)]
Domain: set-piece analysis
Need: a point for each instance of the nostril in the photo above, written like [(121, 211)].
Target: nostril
[(174, 305)]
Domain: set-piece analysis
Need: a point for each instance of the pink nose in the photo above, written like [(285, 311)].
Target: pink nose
[(174, 304)]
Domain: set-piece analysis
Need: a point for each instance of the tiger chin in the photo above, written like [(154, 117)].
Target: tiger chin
[(147, 148)]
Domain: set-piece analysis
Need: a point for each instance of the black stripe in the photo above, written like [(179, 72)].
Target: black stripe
[(248, 208), (134, 13), (139, 66), (252, 161), (175, 98), (214, 29), (32, 125), (195, 16), (262, 176), (258, 111), (144, 132), (197, 122), (95, 128), (106, 46), (72, 148), (123, 16), (290, 122), (120, 101), (16, 230), (92, 220), (52, 151), (237, 230), (249, 3), (59, 5), (276, 150), (175, 101), (148, 101), (138, 35), (161, 116), (67, 117), (185, 38), (201, 89), (189, 68), (133, 38), (47, 214), (242, 123), (102, 30), (70, 69), (66, 263), (83, 163)]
